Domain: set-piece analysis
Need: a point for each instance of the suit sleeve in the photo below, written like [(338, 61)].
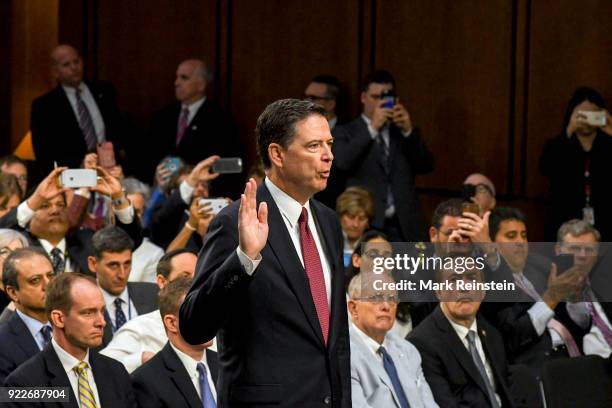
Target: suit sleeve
[(358, 398), (350, 146), (42, 143), (145, 393), (133, 229), (165, 221), (420, 158), (9, 220), (219, 282)]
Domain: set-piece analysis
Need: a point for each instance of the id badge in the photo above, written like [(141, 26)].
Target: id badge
[(588, 215)]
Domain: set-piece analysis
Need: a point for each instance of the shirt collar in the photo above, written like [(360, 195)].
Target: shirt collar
[(288, 206), (32, 324), (190, 364), (68, 360), (463, 331), (366, 119), (371, 344), (48, 247), (193, 108), (110, 299), (71, 90)]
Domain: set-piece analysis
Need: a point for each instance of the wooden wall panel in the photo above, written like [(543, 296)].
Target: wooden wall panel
[(277, 47), (452, 64), (570, 46)]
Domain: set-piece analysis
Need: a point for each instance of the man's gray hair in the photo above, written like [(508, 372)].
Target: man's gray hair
[(354, 287), (203, 71), (576, 228), (134, 186)]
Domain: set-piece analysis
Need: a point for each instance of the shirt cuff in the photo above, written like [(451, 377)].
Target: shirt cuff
[(125, 215), (186, 192), (579, 313), (540, 314), (247, 263), (83, 192), (24, 214)]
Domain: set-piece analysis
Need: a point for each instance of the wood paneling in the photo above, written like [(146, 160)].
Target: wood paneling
[(452, 65)]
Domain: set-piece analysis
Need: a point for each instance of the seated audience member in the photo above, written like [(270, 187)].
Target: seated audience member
[(463, 356), (139, 339), (325, 91), (542, 324), (383, 152), (385, 369), (195, 127), (111, 263), (69, 121), (355, 208), (371, 245), (26, 274), (181, 374), (10, 193), (44, 214), (75, 308), (168, 219), (14, 165), (480, 190), (146, 256), (10, 240)]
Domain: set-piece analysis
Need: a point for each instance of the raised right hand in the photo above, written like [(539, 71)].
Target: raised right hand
[(252, 223), (381, 116), (562, 286)]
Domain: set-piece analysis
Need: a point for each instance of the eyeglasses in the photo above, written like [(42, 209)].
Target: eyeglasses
[(380, 297), (587, 250), (373, 254), (483, 189), (5, 251)]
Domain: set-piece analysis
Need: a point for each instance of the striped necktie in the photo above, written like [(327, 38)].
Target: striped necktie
[(86, 123), (86, 395)]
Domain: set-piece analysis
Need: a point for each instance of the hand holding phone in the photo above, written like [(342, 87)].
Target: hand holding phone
[(77, 178), (227, 165), (215, 205)]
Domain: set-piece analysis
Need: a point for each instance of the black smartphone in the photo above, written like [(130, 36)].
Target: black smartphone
[(227, 165), (563, 262)]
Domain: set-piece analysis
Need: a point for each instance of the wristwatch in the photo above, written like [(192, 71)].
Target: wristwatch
[(121, 201)]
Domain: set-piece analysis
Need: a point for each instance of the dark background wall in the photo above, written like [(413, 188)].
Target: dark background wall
[(487, 81)]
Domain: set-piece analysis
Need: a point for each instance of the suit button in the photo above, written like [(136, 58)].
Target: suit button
[(327, 400)]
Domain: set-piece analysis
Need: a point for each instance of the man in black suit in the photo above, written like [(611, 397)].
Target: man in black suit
[(76, 310), (44, 214), (180, 374), (70, 120), (111, 263), (463, 356), (194, 128), (271, 270), (27, 271), (382, 152)]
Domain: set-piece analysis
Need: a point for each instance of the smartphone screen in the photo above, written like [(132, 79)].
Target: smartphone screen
[(106, 155), (563, 262)]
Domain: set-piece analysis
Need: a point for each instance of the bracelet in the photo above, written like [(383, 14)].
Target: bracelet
[(189, 227)]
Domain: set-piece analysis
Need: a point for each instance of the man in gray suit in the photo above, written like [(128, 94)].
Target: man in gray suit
[(385, 369)]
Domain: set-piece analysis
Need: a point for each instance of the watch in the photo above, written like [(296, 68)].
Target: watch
[(121, 201)]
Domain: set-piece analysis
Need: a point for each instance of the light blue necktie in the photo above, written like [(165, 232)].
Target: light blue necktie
[(208, 401)]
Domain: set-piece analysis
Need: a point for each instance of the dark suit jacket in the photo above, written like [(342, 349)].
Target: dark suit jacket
[(448, 366), (78, 242), (357, 158), (163, 382), (271, 350), (45, 370), (16, 345), (168, 220), (145, 298), (56, 134), (211, 131)]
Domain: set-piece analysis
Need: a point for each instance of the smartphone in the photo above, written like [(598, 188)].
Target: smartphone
[(172, 164), (469, 207), (106, 155), (469, 191), (389, 97), (77, 178), (215, 204), (594, 118), (563, 262), (228, 165)]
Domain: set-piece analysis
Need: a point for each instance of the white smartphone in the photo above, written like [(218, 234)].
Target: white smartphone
[(594, 118), (77, 178), (215, 204)]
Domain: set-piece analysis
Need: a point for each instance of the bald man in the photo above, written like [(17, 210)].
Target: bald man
[(195, 127), (73, 118), (481, 190)]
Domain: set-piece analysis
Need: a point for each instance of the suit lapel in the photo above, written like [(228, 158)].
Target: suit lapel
[(281, 245), (458, 349), (180, 377), (56, 373), (25, 340), (213, 365), (487, 346), (104, 386), (107, 335)]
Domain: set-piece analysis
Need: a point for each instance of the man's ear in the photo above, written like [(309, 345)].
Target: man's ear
[(171, 323), (11, 292), (433, 234), (557, 249), (57, 318), (363, 97), (356, 261), (92, 263), (352, 308), (275, 153), (161, 281)]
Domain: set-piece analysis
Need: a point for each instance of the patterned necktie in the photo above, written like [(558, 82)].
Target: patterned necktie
[(471, 336), (182, 125), (85, 122), (392, 373), (384, 151), (600, 323), (45, 332), (59, 264), (86, 395), (119, 315), (314, 272), (208, 401)]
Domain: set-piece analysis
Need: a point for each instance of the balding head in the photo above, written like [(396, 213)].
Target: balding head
[(477, 178), (67, 65), (192, 77), (484, 193)]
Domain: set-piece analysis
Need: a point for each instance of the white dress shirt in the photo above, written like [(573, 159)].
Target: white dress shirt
[(129, 310), (144, 262), (193, 109), (92, 107), (34, 327), (69, 362), (48, 247), (290, 211), (192, 371), (462, 332)]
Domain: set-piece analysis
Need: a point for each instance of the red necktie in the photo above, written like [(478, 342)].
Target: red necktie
[(314, 271), (182, 125)]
